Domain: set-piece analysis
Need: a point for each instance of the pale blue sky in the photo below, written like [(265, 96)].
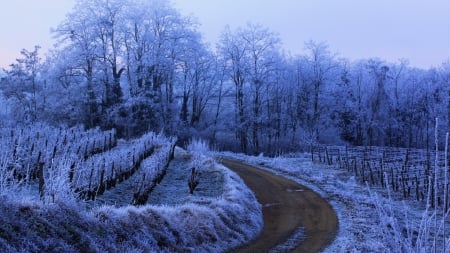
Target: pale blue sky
[(418, 30)]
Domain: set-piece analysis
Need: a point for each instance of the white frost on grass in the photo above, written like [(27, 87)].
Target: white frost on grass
[(175, 183)]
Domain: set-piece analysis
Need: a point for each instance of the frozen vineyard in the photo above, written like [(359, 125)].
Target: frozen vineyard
[(409, 173), (103, 171), (25, 150), (53, 183), (52, 163)]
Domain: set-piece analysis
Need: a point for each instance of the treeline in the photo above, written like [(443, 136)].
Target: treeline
[(139, 65)]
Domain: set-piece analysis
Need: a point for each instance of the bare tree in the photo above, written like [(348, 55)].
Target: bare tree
[(263, 49), (321, 63), (234, 52), (23, 85), (380, 103)]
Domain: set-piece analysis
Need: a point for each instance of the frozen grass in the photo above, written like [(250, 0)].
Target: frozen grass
[(221, 214), (175, 183), (202, 224)]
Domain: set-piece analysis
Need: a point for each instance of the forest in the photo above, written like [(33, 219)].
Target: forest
[(139, 66)]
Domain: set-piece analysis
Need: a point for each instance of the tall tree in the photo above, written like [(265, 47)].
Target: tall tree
[(157, 40), (234, 52), (262, 49), (380, 103), (23, 85), (321, 64), (77, 40)]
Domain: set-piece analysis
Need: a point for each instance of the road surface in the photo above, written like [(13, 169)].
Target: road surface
[(286, 207)]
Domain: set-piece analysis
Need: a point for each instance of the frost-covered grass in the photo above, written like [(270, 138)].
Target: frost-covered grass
[(175, 183)]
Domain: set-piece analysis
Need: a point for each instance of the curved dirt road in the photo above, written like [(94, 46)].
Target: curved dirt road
[(286, 207)]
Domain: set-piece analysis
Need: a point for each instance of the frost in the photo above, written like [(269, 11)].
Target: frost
[(221, 214)]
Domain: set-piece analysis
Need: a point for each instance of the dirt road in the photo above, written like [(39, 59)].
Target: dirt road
[(286, 207)]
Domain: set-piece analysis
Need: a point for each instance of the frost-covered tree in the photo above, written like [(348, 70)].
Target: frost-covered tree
[(158, 41), (139, 65), (23, 85), (262, 49), (234, 52), (413, 114), (197, 77), (77, 46), (380, 103), (345, 107), (251, 54), (95, 28), (128, 53), (319, 70)]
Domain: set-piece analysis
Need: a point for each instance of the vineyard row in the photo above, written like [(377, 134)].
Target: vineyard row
[(409, 173)]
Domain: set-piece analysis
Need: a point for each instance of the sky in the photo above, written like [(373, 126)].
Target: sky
[(417, 30)]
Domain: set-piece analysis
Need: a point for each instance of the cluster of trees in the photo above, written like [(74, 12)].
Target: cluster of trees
[(140, 65)]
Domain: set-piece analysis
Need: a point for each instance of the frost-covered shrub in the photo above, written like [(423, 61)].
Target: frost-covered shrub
[(8, 185), (57, 185), (201, 162), (134, 117), (200, 154), (198, 146)]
